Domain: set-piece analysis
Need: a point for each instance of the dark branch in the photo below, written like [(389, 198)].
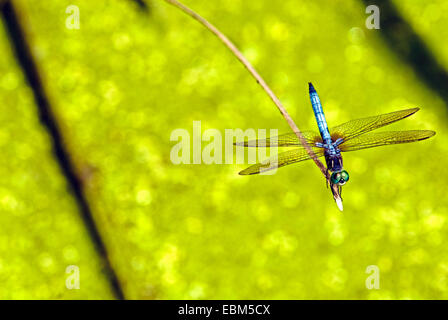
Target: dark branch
[(409, 47), (25, 59)]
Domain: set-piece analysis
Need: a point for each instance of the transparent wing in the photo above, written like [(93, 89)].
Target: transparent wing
[(354, 128), (283, 140), (282, 159), (377, 139)]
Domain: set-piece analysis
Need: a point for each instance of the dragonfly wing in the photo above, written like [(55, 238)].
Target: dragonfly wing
[(354, 128), (376, 139), (283, 140), (282, 159)]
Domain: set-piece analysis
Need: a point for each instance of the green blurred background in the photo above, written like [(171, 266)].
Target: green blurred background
[(127, 78)]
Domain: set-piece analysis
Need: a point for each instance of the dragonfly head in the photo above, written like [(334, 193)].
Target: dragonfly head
[(339, 177)]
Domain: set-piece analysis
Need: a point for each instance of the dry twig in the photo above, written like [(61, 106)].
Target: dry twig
[(254, 73)]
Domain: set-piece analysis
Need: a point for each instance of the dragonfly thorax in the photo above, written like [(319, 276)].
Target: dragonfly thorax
[(333, 160), (332, 154)]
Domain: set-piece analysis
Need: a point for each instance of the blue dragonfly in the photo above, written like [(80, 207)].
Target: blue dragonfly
[(330, 143)]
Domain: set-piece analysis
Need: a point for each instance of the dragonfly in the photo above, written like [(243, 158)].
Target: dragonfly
[(331, 142)]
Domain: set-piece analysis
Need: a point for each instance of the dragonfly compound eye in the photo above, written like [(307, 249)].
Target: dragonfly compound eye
[(344, 175), (335, 177)]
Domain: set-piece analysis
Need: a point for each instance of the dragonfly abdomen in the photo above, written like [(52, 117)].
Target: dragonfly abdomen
[(319, 115)]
